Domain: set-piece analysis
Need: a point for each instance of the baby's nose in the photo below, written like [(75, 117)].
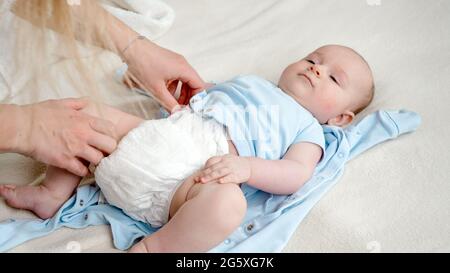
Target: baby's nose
[(314, 70)]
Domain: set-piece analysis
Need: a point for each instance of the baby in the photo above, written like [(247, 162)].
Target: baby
[(183, 173)]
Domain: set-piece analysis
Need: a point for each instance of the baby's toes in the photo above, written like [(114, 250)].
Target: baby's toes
[(7, 191)]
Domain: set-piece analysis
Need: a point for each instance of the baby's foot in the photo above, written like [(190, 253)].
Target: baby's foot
[(37, 199)]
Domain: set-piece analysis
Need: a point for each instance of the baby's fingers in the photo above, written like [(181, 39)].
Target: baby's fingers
[(213, 161), (208, 170), (230, 178), (214, 175), (208, 178), (202, 174)]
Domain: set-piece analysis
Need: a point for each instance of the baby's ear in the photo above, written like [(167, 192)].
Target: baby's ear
[(342, 120)]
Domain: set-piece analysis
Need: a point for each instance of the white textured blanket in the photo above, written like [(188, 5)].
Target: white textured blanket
[(395, 197), (151, 18)]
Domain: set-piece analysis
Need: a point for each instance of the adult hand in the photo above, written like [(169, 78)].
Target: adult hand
[(158, 71), (56, 133)]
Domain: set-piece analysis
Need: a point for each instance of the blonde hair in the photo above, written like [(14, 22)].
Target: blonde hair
[(69, 29)]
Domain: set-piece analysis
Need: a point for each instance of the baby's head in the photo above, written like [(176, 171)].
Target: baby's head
[(334, 83)]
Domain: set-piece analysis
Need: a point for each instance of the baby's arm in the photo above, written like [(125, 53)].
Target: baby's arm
[(284, 176), (288, 175)]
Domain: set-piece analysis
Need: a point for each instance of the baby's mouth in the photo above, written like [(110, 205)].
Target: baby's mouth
[(307, 78)]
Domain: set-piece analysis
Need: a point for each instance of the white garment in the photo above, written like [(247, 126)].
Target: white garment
[(151, 18), (152, 160)]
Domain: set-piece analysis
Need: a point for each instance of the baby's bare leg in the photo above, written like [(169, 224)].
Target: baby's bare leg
[(209, 215), (46, 199)]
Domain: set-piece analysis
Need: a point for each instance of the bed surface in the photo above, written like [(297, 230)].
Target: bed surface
[(393, 198)]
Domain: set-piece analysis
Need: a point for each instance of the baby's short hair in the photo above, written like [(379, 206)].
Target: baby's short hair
[(370, 93)]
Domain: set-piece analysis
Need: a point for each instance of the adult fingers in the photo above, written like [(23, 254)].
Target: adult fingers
[(76, 167), (185, 95), (172, 86), (92, 155), (103, 143), (160, 93), (167, 100), (104, 127), (133, 81), (127, 80), (191, 78)]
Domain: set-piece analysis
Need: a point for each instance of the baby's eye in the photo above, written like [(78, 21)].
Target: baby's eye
[(311, 61), (334, 79)]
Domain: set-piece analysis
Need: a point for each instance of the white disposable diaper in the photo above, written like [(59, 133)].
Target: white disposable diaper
[(152, 160)]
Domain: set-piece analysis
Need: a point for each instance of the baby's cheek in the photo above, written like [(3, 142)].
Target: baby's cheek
[(327, 102)]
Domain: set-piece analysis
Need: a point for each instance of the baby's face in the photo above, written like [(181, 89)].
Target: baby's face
[(332, 83)]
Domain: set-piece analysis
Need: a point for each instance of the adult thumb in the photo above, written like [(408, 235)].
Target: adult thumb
[(193, 80), (166, 99)]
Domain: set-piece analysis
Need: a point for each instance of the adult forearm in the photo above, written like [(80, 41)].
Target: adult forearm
[(277, 176), (10, 128), (120, 34)]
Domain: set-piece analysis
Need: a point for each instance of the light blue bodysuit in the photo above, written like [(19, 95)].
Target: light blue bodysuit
[(261, 119)]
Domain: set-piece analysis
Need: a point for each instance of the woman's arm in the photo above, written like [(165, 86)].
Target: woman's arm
[(11, 131)]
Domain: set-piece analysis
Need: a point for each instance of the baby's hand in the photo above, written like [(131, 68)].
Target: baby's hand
[(225, 169)]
